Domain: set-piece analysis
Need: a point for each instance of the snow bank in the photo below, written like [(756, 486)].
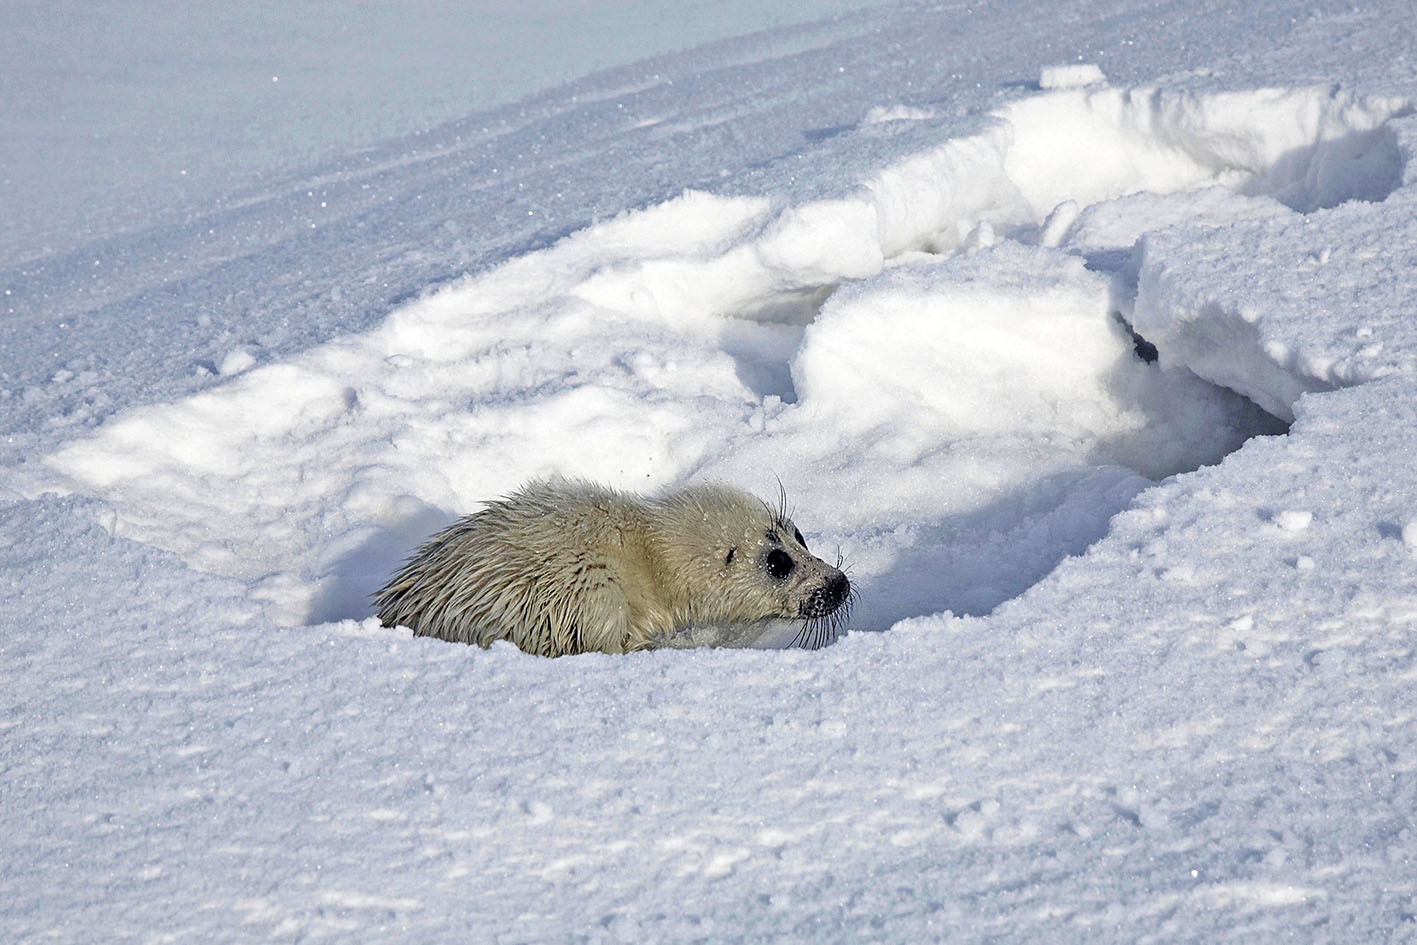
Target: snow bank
[(669, 343), (1309, 148), (1263, 323)]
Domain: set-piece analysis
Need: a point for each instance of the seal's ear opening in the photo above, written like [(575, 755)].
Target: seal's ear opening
[(731, 552)]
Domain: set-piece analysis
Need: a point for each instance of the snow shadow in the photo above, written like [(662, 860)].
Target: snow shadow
[(354, 574), (1362, 165), (971, 563)]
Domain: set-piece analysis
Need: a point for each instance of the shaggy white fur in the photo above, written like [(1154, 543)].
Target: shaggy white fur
[(565, 566)]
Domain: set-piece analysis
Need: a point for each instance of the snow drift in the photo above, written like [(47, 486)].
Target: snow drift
[(684, 339)]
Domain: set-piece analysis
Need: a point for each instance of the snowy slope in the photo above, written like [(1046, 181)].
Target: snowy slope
[(1134, 658), (121, 115)]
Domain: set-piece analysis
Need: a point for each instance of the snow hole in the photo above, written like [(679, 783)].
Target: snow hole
[(937, 363)]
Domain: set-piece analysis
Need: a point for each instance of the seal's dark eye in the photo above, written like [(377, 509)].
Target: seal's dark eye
[(731, 552), (779, 564), (796, 533)]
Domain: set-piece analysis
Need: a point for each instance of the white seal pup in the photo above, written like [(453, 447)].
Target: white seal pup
[(565, 566)]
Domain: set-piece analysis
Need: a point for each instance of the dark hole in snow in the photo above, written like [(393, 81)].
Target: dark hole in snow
[(1144, 349)]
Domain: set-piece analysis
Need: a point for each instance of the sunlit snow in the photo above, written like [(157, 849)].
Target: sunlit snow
[(1085, 335)]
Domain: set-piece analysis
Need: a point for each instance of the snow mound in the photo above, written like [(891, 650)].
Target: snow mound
[(1268, 330), (1070, 76), (1308, 148), (689, 339), (969, 347)]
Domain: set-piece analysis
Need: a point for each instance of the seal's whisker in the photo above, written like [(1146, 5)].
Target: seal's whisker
[(818, 632)]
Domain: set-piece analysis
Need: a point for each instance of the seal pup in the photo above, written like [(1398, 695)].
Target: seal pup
[(567, 566)]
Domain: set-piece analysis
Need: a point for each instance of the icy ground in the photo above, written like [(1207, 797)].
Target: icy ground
[(1087, 335)]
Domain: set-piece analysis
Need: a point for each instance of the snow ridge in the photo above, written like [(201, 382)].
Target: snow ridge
[(689, 335)]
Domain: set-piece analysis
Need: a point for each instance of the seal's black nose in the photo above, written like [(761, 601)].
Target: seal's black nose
[(827, 598)]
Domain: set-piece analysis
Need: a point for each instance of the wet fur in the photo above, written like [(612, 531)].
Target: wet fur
[(566, 566)]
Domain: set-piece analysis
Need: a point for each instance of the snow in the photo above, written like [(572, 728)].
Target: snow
[(1085, 336), (139, 112), (1272, 334), (1070, 76)]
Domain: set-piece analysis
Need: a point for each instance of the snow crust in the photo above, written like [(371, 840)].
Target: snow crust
[(1070, 76), (1104, 387)]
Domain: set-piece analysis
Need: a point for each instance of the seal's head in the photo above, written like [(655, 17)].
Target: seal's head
[(752, 562)]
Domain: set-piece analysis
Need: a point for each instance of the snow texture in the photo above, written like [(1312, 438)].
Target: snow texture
[(1101, 376), (1072, 76)]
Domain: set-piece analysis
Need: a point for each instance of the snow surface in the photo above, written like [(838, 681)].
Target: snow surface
[(121, 114), (1085, 334)]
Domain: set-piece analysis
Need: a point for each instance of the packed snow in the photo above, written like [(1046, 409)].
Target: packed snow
[(1084, 333)]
